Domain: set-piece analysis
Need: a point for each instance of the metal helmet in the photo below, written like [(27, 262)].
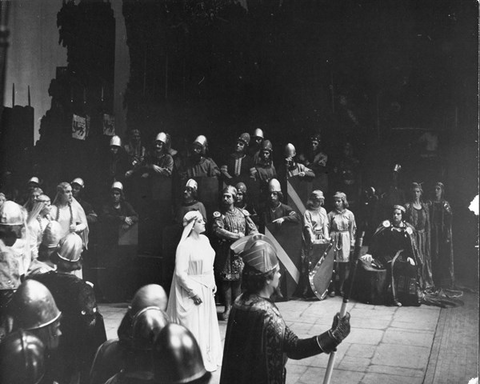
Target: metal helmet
[(258, 133), (191, 183), (177, 356), (117, 185), (151, 295), (22, 359), (34, 180), (290, 150), (115, 141), (78, 181), (260, 253), (162, 136), (12, 213), (147, 324), (241, 187), (33, 306), (274, 186), (202, 140), (245, 138), (267, 146), (70, 248), (52, 234)]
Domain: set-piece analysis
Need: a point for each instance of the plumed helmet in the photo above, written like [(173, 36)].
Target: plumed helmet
[(231, 190), (244, 138), (115, 141), (70, 248), (78, 181), (150, 295), (267, 146), (191, 183), (12, 213), (117, 185), (162, 136), (177, 356), (258, 133), (317, 195), (147, 324), (34, 180), (260, 253), (33, 306), (202, 140), (241, 187), (274, 186), (290, 150), (22, 359), (52, 234)]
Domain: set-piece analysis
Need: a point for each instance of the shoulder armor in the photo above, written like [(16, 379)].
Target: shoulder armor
[(409, 230), (387, 223), (245, 212), (217, 214)]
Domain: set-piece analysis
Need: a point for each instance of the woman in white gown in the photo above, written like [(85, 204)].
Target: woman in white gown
[(191, 302)]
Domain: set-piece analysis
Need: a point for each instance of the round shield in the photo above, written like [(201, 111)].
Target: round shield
[(321, 268)]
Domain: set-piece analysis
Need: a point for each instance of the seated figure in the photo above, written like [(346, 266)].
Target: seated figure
[(393, 248)]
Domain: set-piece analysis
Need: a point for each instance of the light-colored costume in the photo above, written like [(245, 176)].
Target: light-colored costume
[(342, 231), (194, 276)]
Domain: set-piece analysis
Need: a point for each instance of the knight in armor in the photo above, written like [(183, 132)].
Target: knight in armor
[(230, 225), (393, 241), (239, 164), (315, 231), (82, 325), (116, 216), (34, 310), (78, 187), (342, 225), (276, 212), (116, 164), (22, 359), (198, 164), (315, 159), (177, 357), (258, 342), (159, 163), (243, 202), (50, 239), (190, 202), (138, 364), (265, 170), (291, 167), (256, 146), (109, 357)]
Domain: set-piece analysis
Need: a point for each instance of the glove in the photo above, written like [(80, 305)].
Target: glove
[(328, 341)]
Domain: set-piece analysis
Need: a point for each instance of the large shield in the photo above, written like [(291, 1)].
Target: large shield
[(320, 268), (287, 239)]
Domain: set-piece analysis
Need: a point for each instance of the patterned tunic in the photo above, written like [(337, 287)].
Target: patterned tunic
[(226, 227), (258, 343)]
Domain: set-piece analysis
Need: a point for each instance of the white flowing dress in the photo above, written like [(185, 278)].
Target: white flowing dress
[(194, 276)]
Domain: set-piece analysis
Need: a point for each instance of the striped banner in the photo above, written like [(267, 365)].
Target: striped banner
[(284, 258)]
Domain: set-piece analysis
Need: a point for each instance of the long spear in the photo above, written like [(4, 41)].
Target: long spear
[(343, 308)]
